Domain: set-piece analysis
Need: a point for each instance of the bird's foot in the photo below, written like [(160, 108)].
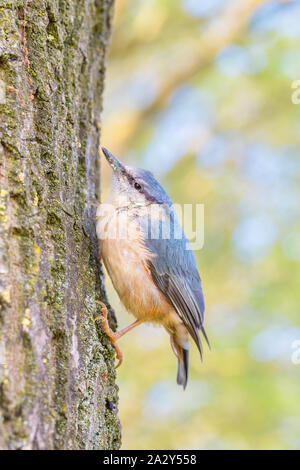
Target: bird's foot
[(113, 336)]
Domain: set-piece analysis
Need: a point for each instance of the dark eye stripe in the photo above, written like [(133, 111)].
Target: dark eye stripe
[(131, 180), (128, 176)]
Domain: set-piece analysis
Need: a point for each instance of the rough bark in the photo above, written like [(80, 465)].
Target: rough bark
[(57, 378)]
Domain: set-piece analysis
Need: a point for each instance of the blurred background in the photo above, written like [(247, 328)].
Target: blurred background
[(199, 92)]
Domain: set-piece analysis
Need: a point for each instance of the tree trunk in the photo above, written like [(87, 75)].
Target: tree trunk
[(57, 378)]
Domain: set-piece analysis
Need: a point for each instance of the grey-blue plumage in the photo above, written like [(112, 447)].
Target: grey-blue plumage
[(173, 269)]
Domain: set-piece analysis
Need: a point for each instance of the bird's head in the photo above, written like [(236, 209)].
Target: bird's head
[(134, 187)]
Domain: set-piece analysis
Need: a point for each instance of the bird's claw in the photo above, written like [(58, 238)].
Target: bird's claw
[(111, 334)]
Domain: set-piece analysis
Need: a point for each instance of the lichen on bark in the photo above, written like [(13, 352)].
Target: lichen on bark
[(56, 364)]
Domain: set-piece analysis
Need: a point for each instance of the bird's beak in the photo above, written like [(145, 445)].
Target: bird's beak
[(113, 161)]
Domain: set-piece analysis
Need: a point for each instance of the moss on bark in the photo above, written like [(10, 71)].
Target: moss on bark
[(56, 365)]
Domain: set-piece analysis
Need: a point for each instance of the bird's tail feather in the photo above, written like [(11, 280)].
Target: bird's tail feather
[(183, 368), (182, 355)]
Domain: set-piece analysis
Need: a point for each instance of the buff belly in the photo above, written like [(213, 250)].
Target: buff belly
[(133, 282), (126, 262)]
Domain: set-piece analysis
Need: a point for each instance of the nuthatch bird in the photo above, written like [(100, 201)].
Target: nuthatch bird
[(149, 260)]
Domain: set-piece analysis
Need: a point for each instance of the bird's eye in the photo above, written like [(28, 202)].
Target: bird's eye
[(137, 186)]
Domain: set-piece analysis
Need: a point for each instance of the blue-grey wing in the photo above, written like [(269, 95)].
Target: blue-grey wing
[(173, 269)]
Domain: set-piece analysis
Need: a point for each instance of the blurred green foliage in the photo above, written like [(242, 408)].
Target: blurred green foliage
[(211, 115)]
